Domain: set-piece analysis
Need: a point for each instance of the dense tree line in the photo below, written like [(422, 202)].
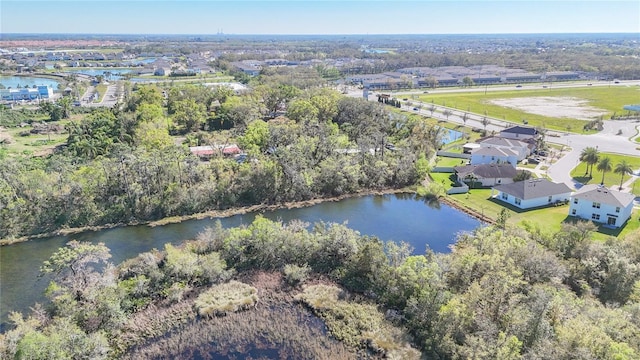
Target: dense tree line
[(121, 166), (500, 293)]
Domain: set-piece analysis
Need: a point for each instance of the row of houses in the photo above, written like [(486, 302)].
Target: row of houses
[(511, 146), (591, 202)]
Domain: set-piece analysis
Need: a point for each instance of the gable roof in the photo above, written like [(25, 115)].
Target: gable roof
[(532, 189), (525, 130), (601, 194), (485, 171), (498, 141), (494, 151)]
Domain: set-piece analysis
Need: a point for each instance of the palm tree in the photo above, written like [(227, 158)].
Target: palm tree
[(622, 168), (485, 122), (590, 156), (604, 165)]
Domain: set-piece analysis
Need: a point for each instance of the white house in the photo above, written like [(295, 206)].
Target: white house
[(486, 174), (493, 155), (520, 147), (532, 193), (519, 132), (602, 205)]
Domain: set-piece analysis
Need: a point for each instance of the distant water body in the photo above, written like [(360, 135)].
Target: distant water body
[(23, 81)]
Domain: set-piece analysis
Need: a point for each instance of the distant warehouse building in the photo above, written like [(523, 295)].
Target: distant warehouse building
[(39, 92)]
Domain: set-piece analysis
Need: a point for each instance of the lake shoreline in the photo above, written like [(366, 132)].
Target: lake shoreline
[(209, 214)]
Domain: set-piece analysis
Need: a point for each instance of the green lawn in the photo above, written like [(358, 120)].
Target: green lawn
[(610, 99), (449, 161), (34, 143), (446, 179), (549, 219), (611, 179), (102, 90)]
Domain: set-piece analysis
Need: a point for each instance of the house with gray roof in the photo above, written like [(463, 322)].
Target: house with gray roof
[(522, 148), (494, 155), (519, 133), (599, 204), (532, 193), (486, 174)]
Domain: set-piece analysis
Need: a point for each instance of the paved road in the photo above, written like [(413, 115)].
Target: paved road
[(108, 100), (607, 140)]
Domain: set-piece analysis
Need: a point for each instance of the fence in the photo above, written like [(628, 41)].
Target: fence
[(442, 169), (458, 190), (453, 155)]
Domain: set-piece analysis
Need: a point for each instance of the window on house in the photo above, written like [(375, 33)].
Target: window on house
[(505, 196), (618, 209), (575, 201), (549, 200), (596, 205), (518, 201), (573, 212), (595, 216)]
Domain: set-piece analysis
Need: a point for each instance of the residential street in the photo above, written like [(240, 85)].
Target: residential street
[(614, 138), (606, 141)]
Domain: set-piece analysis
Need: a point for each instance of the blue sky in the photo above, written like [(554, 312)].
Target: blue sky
[(318, 17)]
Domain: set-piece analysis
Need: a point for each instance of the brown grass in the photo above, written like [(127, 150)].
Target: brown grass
[(276, 328)]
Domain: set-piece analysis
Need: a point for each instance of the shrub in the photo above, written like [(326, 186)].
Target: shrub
[(295, 274), (357, 324), (225, 298)]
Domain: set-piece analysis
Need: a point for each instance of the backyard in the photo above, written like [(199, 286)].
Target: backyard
[(548, 219)]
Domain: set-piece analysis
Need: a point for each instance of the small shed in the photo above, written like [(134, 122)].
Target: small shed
[(469, 147)]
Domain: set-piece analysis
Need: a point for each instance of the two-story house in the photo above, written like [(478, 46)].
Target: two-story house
[(602, 205)]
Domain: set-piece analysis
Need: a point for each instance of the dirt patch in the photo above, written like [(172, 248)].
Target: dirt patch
[(560, 107)]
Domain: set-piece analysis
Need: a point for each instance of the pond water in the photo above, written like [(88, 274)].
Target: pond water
[(22, 81), (400, 217), (451, 136), (109, 74)]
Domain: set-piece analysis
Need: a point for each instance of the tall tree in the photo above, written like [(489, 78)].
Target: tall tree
[(590, 156), (604, 165), (189, 115), (622, 168)]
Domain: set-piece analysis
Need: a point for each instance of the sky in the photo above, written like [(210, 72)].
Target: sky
[(318, 17)]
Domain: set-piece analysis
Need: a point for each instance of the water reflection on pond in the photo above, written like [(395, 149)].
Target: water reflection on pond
[(400, 217)]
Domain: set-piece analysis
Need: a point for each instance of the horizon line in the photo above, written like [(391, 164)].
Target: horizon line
[(2, 34)]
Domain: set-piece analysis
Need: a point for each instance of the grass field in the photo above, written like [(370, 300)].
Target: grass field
[(609, 99), (611, 179), (35, 144)]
